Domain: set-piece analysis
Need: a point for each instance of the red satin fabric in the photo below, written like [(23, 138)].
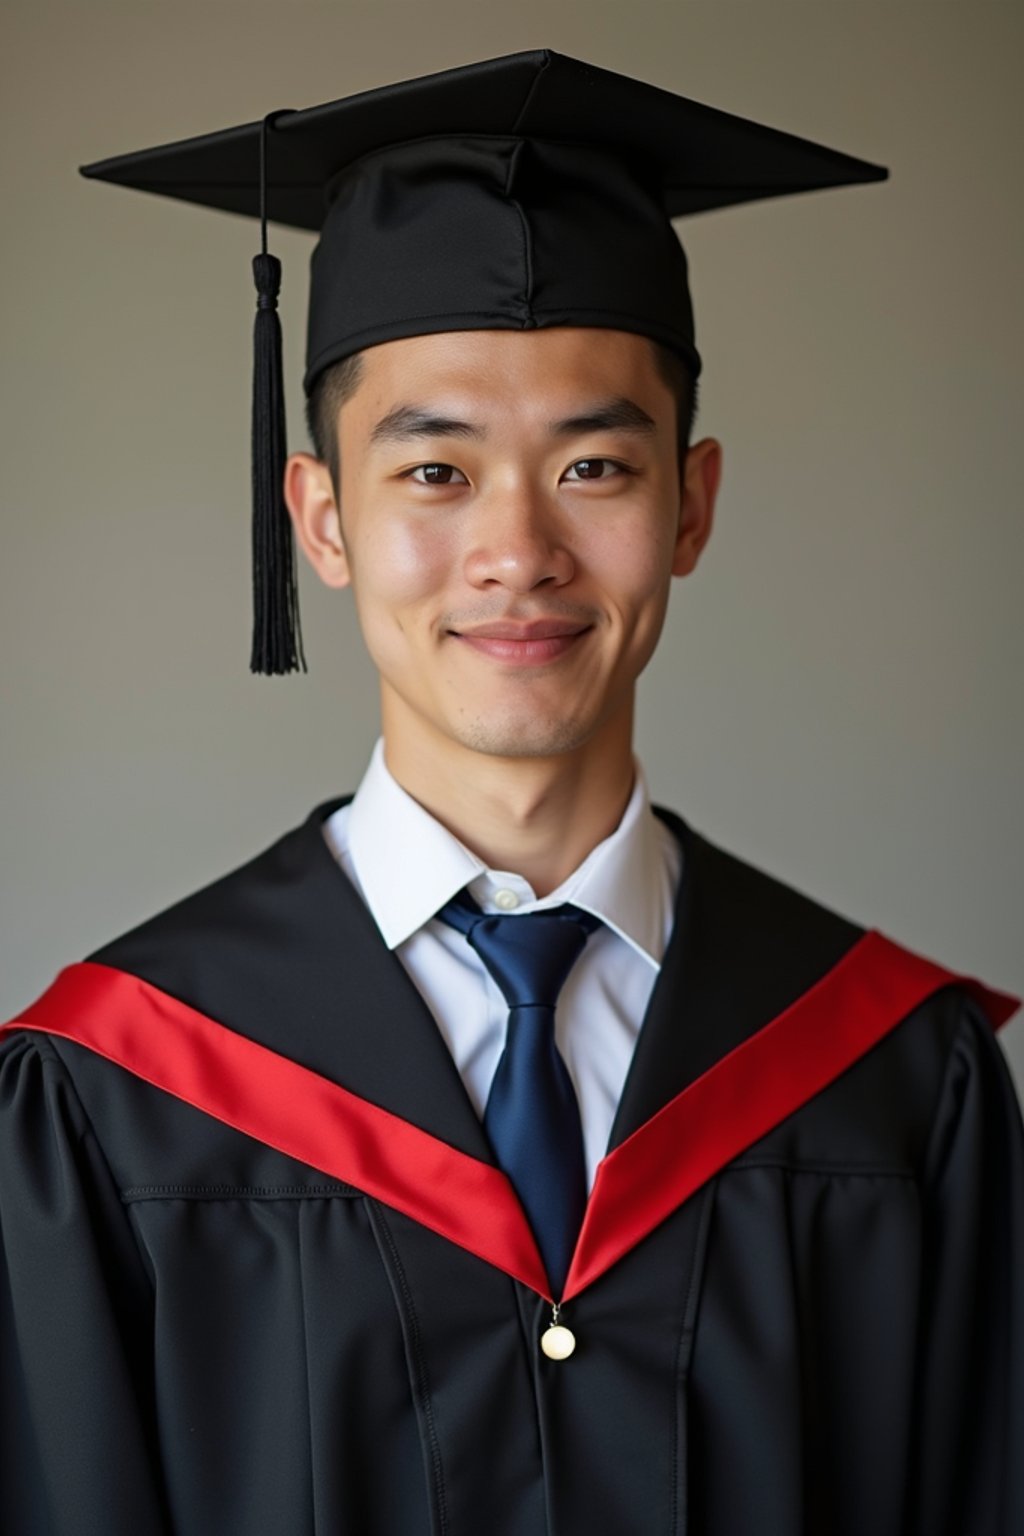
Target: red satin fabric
[(291, 1108), (308, 1117), (743, 1096)]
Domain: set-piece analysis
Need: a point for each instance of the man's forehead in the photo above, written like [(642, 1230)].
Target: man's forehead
[(567, 363)]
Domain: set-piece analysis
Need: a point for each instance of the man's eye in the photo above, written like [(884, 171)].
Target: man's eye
[(435, 474), (595, 469)]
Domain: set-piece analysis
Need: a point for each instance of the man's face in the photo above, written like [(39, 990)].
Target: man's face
[(511, 517)]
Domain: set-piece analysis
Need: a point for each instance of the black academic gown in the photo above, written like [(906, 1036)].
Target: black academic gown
[(203, 1335)]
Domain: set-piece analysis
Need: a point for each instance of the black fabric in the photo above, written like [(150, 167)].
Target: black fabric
[(199, 1335), (499, 232), (527, 190)]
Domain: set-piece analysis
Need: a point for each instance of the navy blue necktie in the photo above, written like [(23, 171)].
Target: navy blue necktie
[(532, 1118)]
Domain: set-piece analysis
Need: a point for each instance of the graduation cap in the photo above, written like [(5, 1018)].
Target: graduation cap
[(517, 192)]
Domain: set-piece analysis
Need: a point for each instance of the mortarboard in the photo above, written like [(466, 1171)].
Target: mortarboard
[(518, 192)]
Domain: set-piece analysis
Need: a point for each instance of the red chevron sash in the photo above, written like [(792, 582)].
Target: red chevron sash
[(308, 1117)]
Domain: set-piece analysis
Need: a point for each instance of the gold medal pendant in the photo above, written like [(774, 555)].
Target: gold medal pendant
[(557, 1341)]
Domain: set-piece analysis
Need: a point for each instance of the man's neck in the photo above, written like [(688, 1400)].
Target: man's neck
[(535, 817)]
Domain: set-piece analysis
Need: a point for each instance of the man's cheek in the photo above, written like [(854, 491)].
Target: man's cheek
[(414, 562)]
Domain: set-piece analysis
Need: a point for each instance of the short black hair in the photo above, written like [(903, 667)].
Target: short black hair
[(330, 391), (340, 380)]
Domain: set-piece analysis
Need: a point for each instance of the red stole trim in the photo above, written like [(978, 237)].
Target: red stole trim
[(287, 1106), (743, 1096), (640, 1183)]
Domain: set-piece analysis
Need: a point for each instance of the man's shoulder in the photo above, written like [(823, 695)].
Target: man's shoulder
[(754, 917), (752, 920), (243, 950), (748, 880), (238, 906)]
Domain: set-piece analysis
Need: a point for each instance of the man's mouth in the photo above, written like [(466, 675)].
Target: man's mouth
[(527, 642)]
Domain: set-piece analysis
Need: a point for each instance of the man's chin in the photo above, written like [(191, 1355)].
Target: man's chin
[(522, 738)]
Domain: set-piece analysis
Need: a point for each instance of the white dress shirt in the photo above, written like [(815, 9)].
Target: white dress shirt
[(406, 865)]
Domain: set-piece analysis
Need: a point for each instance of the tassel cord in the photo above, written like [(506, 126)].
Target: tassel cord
[(277, 634)]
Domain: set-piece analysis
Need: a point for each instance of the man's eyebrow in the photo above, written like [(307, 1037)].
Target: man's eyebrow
[(617, 415), (407, 422)]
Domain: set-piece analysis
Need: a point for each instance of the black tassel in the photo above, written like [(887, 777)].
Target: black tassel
[(277, 633)]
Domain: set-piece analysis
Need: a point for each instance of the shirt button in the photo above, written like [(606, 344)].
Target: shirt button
[(506, 900)]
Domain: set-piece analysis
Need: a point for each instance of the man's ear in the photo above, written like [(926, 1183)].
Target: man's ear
[(701, 478), (313, 508)]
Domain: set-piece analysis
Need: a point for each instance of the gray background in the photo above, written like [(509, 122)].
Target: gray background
[(837, 696)]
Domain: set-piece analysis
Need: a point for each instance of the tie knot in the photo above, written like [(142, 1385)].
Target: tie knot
[(529, 954)]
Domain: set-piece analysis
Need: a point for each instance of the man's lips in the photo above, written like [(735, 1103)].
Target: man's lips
[(526, 642)]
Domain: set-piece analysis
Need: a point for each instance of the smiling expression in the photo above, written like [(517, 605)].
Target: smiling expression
[(511, 518)]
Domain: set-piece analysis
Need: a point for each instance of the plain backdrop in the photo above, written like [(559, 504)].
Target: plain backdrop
[(837, 697)]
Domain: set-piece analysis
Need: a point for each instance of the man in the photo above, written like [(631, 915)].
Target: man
[(495, 1153)]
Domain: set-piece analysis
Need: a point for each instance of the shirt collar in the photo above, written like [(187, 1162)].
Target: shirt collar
[(409, 865)]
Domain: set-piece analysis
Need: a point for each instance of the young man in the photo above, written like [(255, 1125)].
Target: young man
[(495, 1153)]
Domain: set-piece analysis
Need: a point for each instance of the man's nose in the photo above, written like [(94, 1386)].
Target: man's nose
[(518, 541)]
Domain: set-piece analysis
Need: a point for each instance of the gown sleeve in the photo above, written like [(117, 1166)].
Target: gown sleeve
[(968, 1467), (76, 1418)]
